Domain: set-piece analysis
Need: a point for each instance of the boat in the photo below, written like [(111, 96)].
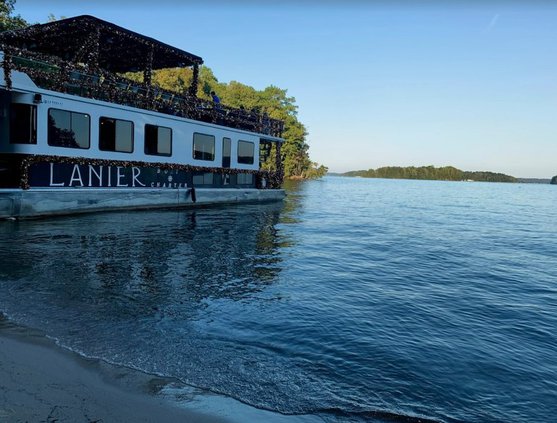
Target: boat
[(79, 134)]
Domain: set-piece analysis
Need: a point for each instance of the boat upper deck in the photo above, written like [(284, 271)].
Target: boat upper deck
[(87, 56)]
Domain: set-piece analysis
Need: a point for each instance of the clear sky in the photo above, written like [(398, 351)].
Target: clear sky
[(472, 84)]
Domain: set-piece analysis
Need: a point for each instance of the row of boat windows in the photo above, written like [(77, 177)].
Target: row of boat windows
[(72, 130)]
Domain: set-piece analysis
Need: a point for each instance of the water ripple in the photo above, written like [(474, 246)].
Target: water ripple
[(355, 299)]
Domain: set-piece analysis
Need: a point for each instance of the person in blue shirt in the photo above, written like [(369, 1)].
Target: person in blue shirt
[(217, 108)]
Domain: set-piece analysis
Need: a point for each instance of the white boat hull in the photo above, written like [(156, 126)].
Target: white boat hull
[(38, 202)]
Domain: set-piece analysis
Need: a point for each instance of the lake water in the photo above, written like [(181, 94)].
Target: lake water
[(353, 300)]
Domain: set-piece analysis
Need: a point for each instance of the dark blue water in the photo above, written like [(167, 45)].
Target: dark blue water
[(355, 299)]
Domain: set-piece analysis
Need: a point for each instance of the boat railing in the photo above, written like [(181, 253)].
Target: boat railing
[(52, 73)]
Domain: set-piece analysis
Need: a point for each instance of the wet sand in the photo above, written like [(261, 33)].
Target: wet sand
[(44, 383)]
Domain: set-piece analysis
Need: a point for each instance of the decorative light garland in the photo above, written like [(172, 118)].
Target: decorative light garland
[(7, 66), (83, 75), (84, 35), (273, 179), (58, 75)]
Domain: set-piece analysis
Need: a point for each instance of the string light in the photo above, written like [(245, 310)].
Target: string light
[(273, 179), (90, 56), (91, 52)]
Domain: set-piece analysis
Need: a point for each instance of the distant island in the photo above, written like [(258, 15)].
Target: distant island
[(534, 180), (446, 173)]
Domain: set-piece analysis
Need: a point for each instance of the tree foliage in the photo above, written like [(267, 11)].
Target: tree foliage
[(277, 104), (272, 100), (8, 20), (553, 180), (446, 173), (52, 17)]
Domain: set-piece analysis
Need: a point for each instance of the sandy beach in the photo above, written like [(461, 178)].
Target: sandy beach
[(43, 382), (40, 382)]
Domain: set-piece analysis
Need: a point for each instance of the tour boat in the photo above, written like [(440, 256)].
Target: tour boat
[(78, 134)]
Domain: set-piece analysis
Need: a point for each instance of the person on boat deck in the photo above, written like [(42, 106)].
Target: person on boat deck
[(216, 101), (217, 108)]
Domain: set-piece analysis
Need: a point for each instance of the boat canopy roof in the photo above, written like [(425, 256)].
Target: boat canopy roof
[(118, 49)]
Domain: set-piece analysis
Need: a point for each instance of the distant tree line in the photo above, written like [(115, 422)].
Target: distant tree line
[(446, 173), (272, 100), (554, 180)]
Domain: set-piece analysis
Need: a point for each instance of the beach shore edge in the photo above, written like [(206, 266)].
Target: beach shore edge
[(40, 381)]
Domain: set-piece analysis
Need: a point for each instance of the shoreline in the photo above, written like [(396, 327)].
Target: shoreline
[(42, 381)]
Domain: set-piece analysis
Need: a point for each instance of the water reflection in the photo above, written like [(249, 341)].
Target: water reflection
[(383, 299), (139, 263)]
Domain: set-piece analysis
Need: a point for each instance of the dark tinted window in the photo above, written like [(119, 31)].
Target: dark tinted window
[(244, 179), (158, 140), (68, 129), (203, 147), (23, 124), (115, 135), (205, 178), (245, 152), (226, 152)]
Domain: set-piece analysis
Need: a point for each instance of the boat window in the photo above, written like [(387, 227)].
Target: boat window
[(203, 147), (23, 124), (205, 178), (245, 179), (245, 152), (115, 135), (68, 129), (158, 140), (226, 152)]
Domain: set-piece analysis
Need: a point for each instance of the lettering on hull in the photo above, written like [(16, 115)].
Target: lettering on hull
[(99, 176)]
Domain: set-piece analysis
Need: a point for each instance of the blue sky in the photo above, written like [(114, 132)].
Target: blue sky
[(470, 84)]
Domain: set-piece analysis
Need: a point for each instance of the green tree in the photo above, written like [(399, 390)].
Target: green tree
[(272, 100), (447, 173), (8, 20), (52, 17)]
